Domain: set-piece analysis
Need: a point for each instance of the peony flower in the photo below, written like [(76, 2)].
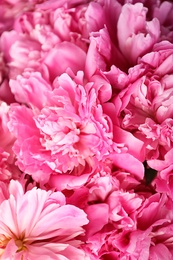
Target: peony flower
[(135, 225), (33, 58), (65, 132), (38, 224), (49, 35), (36, 43), (110, 209), (145, 106)]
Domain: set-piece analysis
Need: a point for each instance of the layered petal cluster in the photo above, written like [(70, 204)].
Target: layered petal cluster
[(65, 131), (145, 106), (127, 225)]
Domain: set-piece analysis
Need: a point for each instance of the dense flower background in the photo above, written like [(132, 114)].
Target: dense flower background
[(86, 136)]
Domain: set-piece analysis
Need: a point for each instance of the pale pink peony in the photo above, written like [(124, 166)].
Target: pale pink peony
[(27, 54), (36, 43), (74, 24), (38, 224), (18, 53), (53, 34), (66, 131)]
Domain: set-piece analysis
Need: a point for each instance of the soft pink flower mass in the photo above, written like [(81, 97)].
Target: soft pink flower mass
[(86, 130)]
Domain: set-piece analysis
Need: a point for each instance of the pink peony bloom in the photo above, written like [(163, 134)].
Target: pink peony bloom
[(145, 106), (33, 58), (57, 33), (65, 132), (38, 224), (135, 225), (42, 38)]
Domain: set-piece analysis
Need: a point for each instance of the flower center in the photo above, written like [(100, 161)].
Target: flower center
[(20, 244)]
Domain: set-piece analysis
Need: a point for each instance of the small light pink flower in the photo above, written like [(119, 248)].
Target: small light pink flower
[(38, 224)]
